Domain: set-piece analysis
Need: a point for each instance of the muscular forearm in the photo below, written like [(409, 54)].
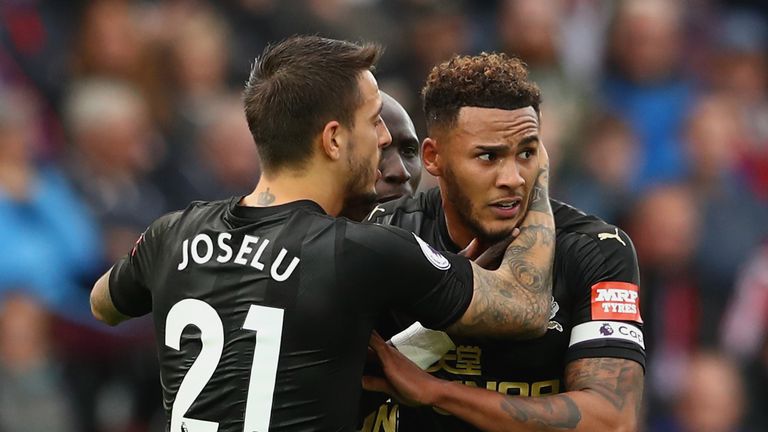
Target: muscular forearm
[(582, 410), (514, 300), (604, 394)]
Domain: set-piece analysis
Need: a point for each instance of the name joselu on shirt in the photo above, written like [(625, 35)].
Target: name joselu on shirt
[(201, 250)]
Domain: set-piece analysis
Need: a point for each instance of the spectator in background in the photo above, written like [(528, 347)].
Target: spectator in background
[(735, 221), (110, 155), (583, 30), (34, 44), (435, 30), (342, 19), (644, 84), (665, 227), (745, 325), (745, 334), (200, 57), (221, 163), (42, 222), (198, 43), (254, 22), (111, 44), (531, 30), (50, 245), (711, 398), (740, 70), (35, 39), (113, 150), (33, 396), (601, 184)]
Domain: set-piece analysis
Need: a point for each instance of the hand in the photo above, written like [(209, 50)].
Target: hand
[(488, 257), (402, 379)]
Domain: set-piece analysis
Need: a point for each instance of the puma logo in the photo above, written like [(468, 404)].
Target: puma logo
[(606, 236)]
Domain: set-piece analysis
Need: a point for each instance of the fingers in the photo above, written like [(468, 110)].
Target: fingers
[(491, 257), (377, 342), (382, 350), (474, 250)]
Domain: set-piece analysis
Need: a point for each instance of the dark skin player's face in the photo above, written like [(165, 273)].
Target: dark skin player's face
[(400, 163)]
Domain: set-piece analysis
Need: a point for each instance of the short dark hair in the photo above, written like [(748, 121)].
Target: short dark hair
[(298, 85), (483, 81)]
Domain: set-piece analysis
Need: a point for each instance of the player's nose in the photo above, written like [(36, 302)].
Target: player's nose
[(385, 138), (393, 169), (509, 176)]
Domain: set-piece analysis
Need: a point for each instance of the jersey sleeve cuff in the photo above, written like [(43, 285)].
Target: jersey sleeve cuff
[(458, 278), (122, 305), (613, 339)]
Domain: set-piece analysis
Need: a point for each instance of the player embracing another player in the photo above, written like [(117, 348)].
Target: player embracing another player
[(586, 372)]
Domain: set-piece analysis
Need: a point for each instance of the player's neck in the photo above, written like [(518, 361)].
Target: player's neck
[(459, 233), (289, 187)]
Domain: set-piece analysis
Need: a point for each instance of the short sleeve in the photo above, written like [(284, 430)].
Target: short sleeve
[(606, 315), (129, 281), (401, 271)]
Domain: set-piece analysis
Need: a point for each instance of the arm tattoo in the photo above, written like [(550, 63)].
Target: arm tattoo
[(619, 381), (265, 198), (545, 413), (518, 295), (539, 200)]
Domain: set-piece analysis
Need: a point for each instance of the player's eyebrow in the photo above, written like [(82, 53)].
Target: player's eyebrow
[(530, 139), (493, 148)]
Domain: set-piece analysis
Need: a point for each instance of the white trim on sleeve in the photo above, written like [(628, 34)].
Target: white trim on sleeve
[(606, 330)]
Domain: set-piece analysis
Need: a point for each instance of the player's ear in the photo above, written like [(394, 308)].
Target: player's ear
[(431, 157), (332, 139)]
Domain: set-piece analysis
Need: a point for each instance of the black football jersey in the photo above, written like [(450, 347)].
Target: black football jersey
[(263, 315), (594, 313)]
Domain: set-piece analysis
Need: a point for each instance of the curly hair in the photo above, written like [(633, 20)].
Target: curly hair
[(484, 81)]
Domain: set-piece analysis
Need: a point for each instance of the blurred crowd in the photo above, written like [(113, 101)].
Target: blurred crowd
[(113, 112)]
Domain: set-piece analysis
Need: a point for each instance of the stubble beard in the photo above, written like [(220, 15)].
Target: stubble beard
[(360, 196), (465, 210)]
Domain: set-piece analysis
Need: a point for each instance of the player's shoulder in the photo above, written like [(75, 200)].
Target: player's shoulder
[(570, 220), (422, 205), (576, 226), (594, 254), (194, 214), (370, 233), (165, 222), (198, 211)]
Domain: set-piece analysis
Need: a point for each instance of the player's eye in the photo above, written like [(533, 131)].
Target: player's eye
[(487, 157), (527, 154), (409, 151), (379, 121)]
